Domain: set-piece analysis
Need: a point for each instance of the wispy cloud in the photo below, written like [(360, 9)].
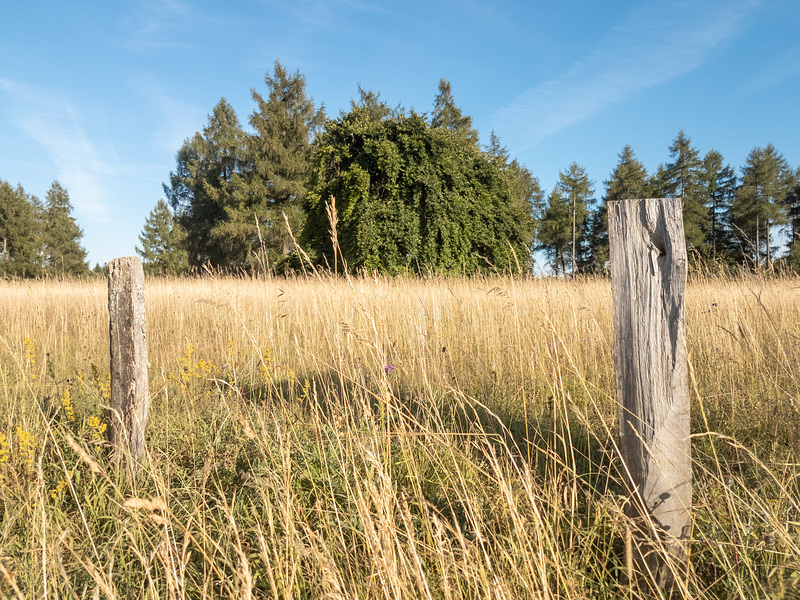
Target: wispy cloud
[(49, 119), (178, 119), (655, 44), (152, 25), (782, 68)]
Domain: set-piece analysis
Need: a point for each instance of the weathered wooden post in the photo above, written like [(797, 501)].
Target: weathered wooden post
[(130, 398), (648, 274)]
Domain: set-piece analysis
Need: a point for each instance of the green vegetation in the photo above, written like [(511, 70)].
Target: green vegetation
[(406, 192), (37, 239)]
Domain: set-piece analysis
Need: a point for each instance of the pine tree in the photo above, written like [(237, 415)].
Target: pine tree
[(526, 193), (376, 107), (628, 181), (682, 181), (20, 232), (575, 185), (792, 202), (63, 253), (447, 115), (285, 125), (717, 185), (555, 231), (209, 191), (759, 204), (162, 239)]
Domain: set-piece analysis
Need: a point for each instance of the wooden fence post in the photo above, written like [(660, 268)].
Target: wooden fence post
[(648, 274), (130, 398)]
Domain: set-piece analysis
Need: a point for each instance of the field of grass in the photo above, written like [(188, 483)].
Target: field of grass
[(384, 438)]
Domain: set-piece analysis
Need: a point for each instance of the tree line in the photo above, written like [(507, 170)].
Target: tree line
[(388, 189), (39, 238)]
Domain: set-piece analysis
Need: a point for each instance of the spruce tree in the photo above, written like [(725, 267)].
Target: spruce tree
[(447, 115), (555, 231), (576, 187), (285, 125), (628, 181), (63, 253), (792, 202), (682, 181), (759, 204), (20, 232), (717, 184), (209, 192), (162, 239)]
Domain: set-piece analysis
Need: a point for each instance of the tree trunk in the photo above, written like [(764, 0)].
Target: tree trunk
[(648, 271), (130, 398)]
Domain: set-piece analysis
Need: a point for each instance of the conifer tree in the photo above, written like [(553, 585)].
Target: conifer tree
[(628, 181), (285, 125), (555, 231), (792, 202), (717, 185), (209, 191), (377, 109), (576, 187), (759, 204), (447, 115), (20, 232), (162, 239), (682, 181), (63, 253)]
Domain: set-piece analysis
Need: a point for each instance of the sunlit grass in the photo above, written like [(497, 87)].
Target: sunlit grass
[(432, 438)]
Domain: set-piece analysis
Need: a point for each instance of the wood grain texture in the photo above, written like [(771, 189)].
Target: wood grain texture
[(130, 398), (648, 272)]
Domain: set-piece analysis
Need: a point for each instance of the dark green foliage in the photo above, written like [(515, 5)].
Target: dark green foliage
[(628, 181), (285, 125), (447, 115), (578, 189), (63, 253), (683, 181), (208, 190), (412, 197), (20, 232), (759, 204), (792, 202), (162, 240), (717, 188), (563, 234), (231, 189), (555, 231)]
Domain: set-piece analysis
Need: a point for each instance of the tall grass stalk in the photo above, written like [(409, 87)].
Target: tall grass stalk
[(393, 438)]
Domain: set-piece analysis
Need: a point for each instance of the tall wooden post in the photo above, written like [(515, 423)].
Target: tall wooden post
[(648, 274), (130, 398)]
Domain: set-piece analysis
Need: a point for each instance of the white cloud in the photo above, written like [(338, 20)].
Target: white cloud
[(656, 43), (178, 119), (49, 119)]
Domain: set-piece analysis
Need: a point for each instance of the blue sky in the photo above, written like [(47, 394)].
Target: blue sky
[(100, 95)]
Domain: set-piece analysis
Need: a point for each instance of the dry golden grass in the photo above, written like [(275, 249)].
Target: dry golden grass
[(374, 437)]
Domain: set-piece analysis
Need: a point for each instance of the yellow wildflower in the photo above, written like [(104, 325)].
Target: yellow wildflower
[(66, 403), (27, 446), (97, 426)]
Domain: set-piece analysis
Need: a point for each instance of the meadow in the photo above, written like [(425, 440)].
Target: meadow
[(384, 438)]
